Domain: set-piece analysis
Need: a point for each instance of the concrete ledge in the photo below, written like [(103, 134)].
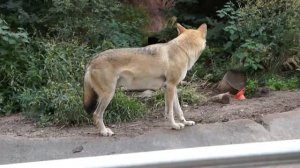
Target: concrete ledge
[(276, 127), (283, 126)]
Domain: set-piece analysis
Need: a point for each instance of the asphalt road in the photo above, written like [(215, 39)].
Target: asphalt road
[(280, 126)]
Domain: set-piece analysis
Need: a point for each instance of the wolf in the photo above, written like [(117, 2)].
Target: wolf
[(151, 67)]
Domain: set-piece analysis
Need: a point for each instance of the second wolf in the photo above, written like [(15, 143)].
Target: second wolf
[(150, 67)]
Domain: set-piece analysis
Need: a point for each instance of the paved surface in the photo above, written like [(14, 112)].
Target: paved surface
[(274, 127)]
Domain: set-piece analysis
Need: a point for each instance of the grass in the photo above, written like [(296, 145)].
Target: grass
[(124, 108), (273, 82), (278, 83), (188, 95)]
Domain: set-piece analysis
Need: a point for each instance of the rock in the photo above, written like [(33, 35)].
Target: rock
[(146, 94), (184, 83), (225, 120), (262, 92), (158, 20), (77, 149), (223, 98), (232, 82), (185, 105), (291, 64)]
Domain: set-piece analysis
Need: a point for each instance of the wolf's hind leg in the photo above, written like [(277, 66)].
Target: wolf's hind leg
[(166, 111), (99, 113), (179, 111), (104, 85)]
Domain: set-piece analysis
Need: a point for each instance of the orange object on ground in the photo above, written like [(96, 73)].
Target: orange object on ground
[(240, 95)]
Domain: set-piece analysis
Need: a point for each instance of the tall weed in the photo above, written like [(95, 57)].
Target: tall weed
[(14, 58)]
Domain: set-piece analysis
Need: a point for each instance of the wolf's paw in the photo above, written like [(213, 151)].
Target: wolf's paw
[(177, 126), (106, 132), (189, 123)]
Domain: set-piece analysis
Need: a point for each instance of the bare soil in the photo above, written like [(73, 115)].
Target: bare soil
[(254, 109)]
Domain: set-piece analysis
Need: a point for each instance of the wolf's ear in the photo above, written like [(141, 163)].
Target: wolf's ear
[(180, 29), (203, 29)]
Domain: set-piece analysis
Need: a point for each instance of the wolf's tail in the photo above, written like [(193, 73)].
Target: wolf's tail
[(90, 96)]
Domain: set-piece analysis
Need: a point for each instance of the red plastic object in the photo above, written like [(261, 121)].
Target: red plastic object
[(240, 95)]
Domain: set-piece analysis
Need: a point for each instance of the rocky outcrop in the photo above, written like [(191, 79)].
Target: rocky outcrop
[(156, 10)]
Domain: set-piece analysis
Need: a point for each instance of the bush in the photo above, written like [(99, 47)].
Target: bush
[(252, 36), (97, 21), (52, 91), (43, 78), (258, 41), (91, 22), (56, 103), (251, 87), (14, 58), (211, 63), (124, 108)]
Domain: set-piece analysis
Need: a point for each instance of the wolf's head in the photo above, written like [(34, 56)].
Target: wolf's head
[(195, 36), (193, 40), (202, 29)]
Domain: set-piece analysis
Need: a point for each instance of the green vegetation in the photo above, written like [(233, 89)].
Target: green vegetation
[(52, 86), (124, 108), (13, 55), (255, 37), (45, 45), (261, 41), (252, 36), (251, 87), (188, 95), (273, 82), (278, 83)]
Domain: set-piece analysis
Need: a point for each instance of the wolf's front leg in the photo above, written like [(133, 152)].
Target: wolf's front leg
[(170, 95), (179, 112)]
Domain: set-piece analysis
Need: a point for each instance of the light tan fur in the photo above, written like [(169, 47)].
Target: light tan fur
[(150, 67)]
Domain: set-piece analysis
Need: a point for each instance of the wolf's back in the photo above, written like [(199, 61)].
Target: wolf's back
[(90, 96)]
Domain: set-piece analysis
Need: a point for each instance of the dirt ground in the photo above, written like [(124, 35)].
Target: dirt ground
[(255, 108)]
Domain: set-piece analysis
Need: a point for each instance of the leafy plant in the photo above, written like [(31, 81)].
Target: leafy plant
[(249, 56), (124, 108), (268, 26), (13, 60), (257, 43), (246, 53), (251, 87), (276, 83)]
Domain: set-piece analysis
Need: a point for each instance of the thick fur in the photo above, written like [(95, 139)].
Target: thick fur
[(150, 67)]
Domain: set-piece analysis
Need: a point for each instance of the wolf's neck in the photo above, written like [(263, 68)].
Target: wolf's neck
[(189, 48)]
